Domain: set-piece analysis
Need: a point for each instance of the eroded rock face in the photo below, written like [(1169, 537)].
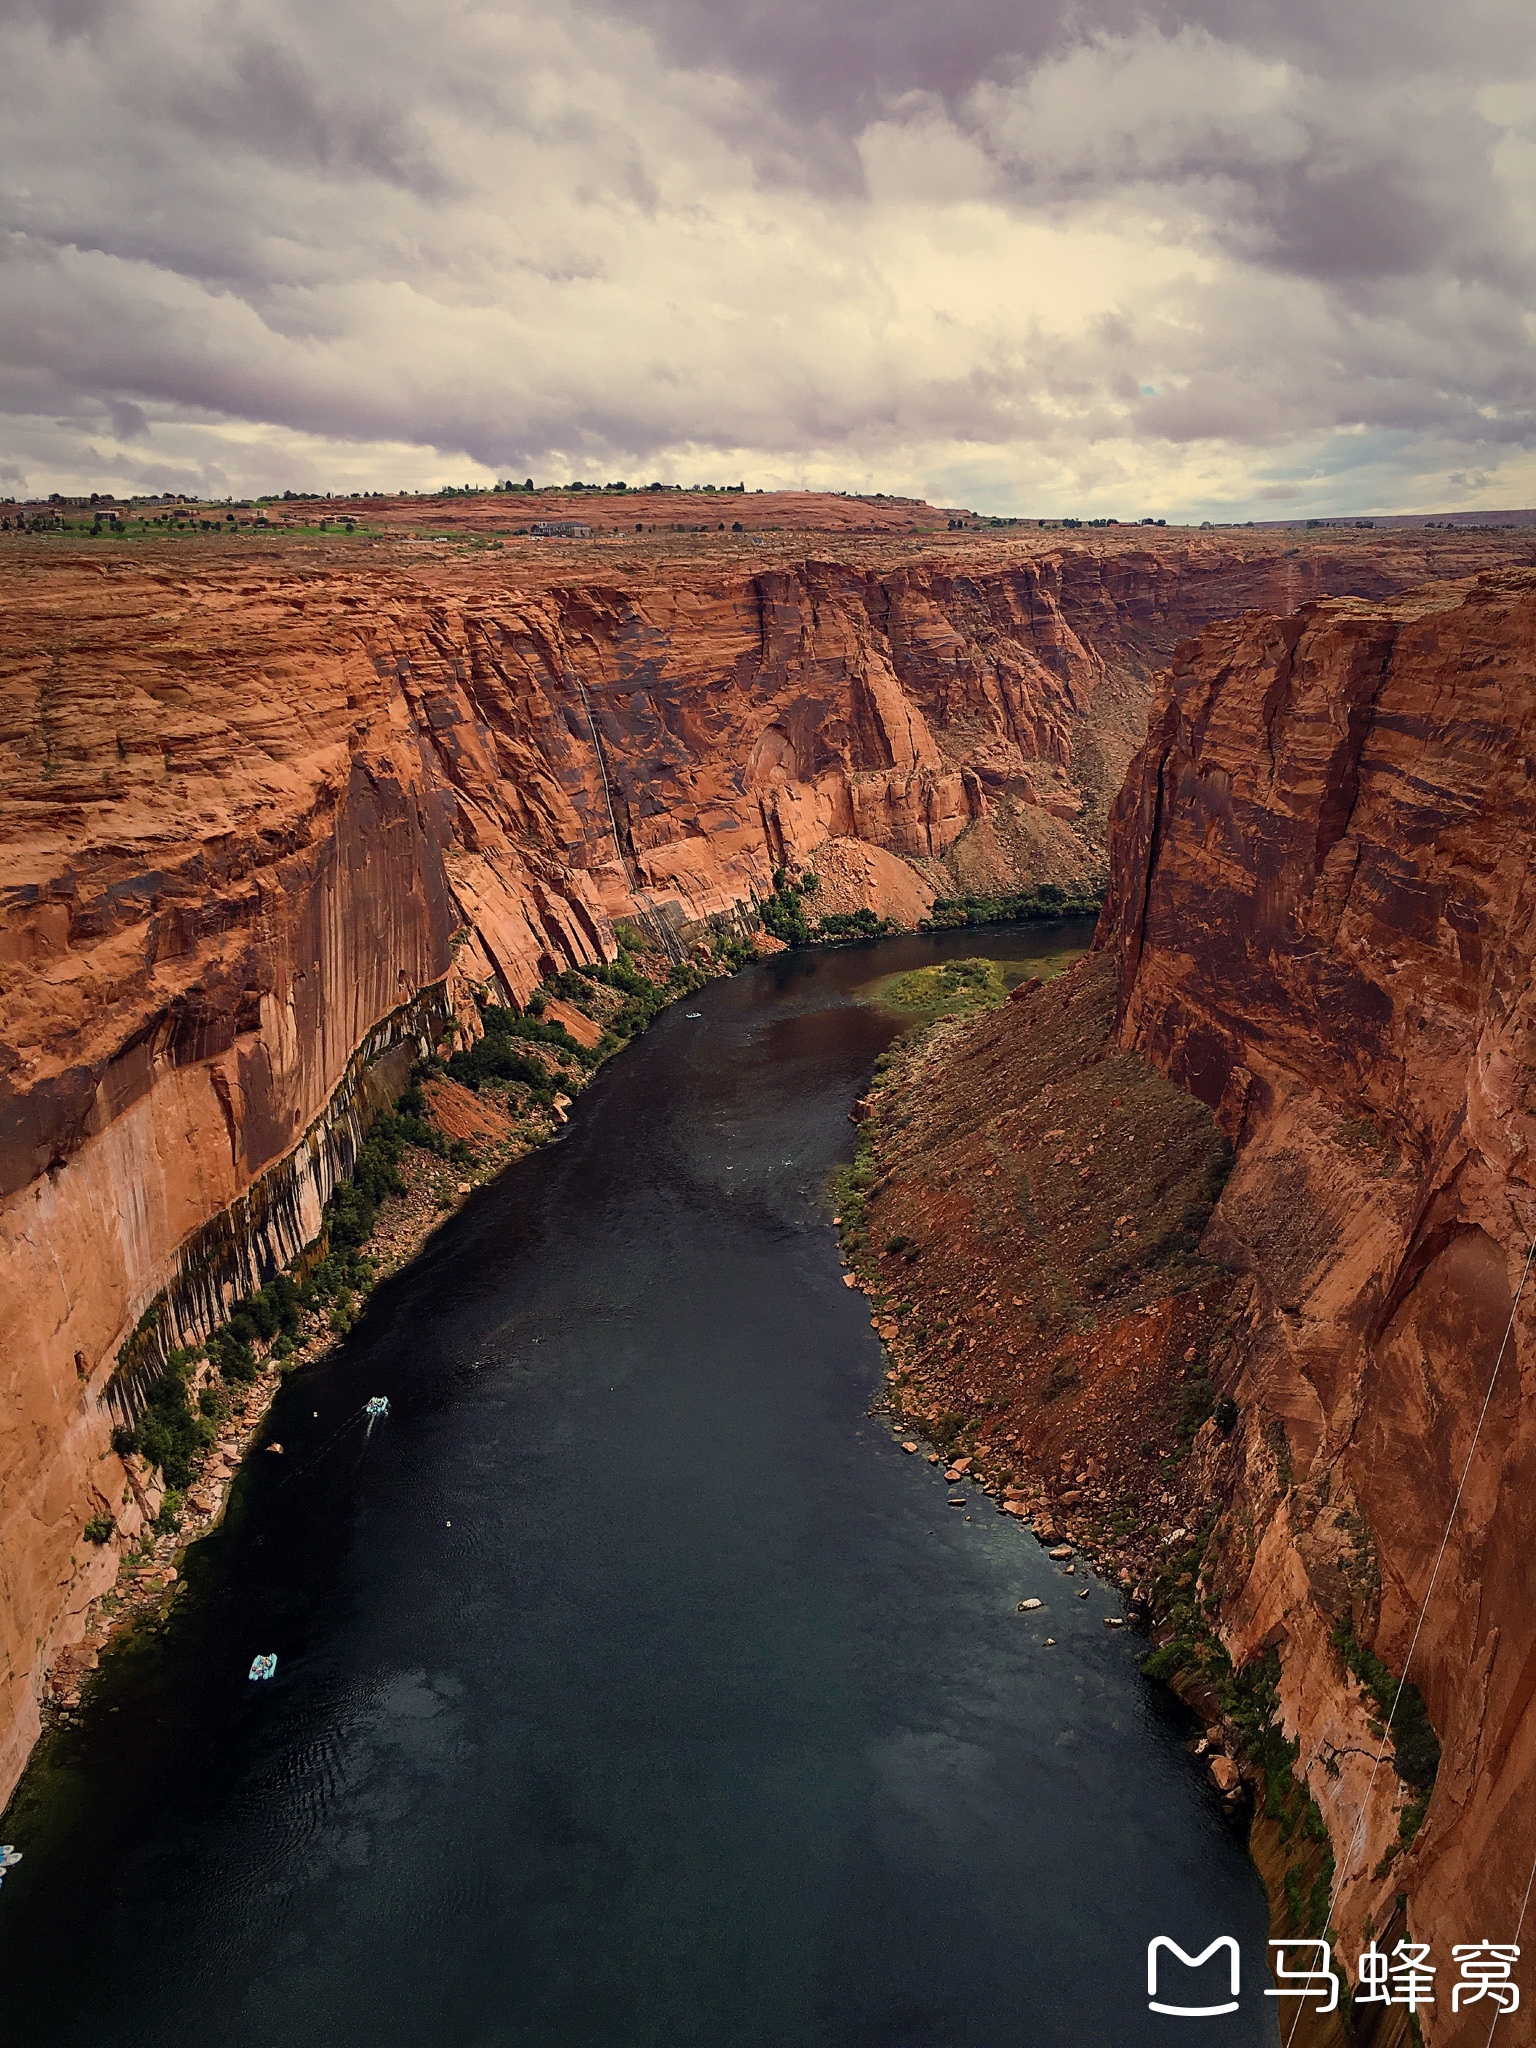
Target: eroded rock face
[(1324, 915), (263, 812)]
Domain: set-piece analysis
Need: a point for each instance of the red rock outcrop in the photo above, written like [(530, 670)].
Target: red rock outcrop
[(267, 806), (1324, 915)]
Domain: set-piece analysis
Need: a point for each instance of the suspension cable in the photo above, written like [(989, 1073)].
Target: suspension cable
[(1354, 1841), (602, 769), (1499, 2014)]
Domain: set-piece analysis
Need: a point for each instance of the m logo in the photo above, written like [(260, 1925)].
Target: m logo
[(1190, 2012)]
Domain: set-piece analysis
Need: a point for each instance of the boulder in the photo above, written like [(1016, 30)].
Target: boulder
[(1225, 1773)]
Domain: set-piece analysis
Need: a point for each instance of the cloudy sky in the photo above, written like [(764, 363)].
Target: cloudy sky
[(1236, 258)]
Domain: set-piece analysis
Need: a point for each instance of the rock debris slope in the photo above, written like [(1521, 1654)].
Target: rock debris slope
[(1323, 912)]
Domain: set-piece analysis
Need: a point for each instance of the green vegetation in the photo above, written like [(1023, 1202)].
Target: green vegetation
[(167, 1433), (1200, 1400), (783, 913), (259, 1319), (1027, 905), (953, 988), (643, 998), (853, 924), (732, 954), (160, 519), (413, 1126), (1415, 1746), (344, 1272), (495, 1058), (1192, 1659), (100, 1529), (949, 1430), (173, 1429), (171, 1432), (848, 1189)]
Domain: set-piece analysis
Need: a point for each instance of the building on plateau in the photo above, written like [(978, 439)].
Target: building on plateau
[(559, 529)]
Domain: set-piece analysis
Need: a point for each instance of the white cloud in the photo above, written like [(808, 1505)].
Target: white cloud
[(256, 246)]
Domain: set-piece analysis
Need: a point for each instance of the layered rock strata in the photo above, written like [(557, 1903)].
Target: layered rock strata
[(1321, 928), (1324, 919), (265, 805)]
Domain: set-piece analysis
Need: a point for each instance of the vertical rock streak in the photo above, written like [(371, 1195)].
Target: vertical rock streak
[(1322, 909)]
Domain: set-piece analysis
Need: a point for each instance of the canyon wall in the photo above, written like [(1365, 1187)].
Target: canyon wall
[(264, 815), (1323, 912)]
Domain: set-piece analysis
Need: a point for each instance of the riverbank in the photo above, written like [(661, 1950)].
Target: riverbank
[(1025, 1218), (628, 1636), (1025, 1213), (457, 1134)]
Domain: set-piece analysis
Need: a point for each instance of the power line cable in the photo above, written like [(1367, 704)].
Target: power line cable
[(602, 769), (1354, 1840), (1518, 1925)]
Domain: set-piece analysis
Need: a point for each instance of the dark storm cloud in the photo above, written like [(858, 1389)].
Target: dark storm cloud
[(839, 64), (1372, 197), (256, 96), (1060, 252)]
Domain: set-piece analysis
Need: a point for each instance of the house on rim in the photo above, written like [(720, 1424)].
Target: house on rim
[(559, 529)]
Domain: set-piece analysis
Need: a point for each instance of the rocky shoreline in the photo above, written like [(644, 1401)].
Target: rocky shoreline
[(1033, 1271), (151, 1573), (495, 1128), (1024, 1214)]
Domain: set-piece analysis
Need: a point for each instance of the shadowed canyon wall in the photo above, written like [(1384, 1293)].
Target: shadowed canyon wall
[(264, 814), (1323, 909)]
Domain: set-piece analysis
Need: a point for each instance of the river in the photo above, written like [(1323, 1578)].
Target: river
[(634, 1689)]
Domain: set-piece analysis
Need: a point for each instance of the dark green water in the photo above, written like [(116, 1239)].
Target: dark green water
[(634, 1690)]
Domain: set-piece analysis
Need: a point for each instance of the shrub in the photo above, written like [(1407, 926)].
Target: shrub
[(1043, 901), (100, 1529), (494, 1059), (782, 914), (1416, 1747), (948, 1430), (169, 1435), (853, 924), (261, 1314), (232, 1355), (125, 1440)]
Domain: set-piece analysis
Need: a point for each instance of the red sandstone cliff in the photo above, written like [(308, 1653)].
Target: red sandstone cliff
[(1324, 915), (261, 812)]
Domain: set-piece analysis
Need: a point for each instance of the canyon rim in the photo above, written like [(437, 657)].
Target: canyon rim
[(279, 810)]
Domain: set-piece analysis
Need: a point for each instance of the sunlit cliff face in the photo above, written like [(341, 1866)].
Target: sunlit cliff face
[(1322, 913), (1086, 260), (264, 796)]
